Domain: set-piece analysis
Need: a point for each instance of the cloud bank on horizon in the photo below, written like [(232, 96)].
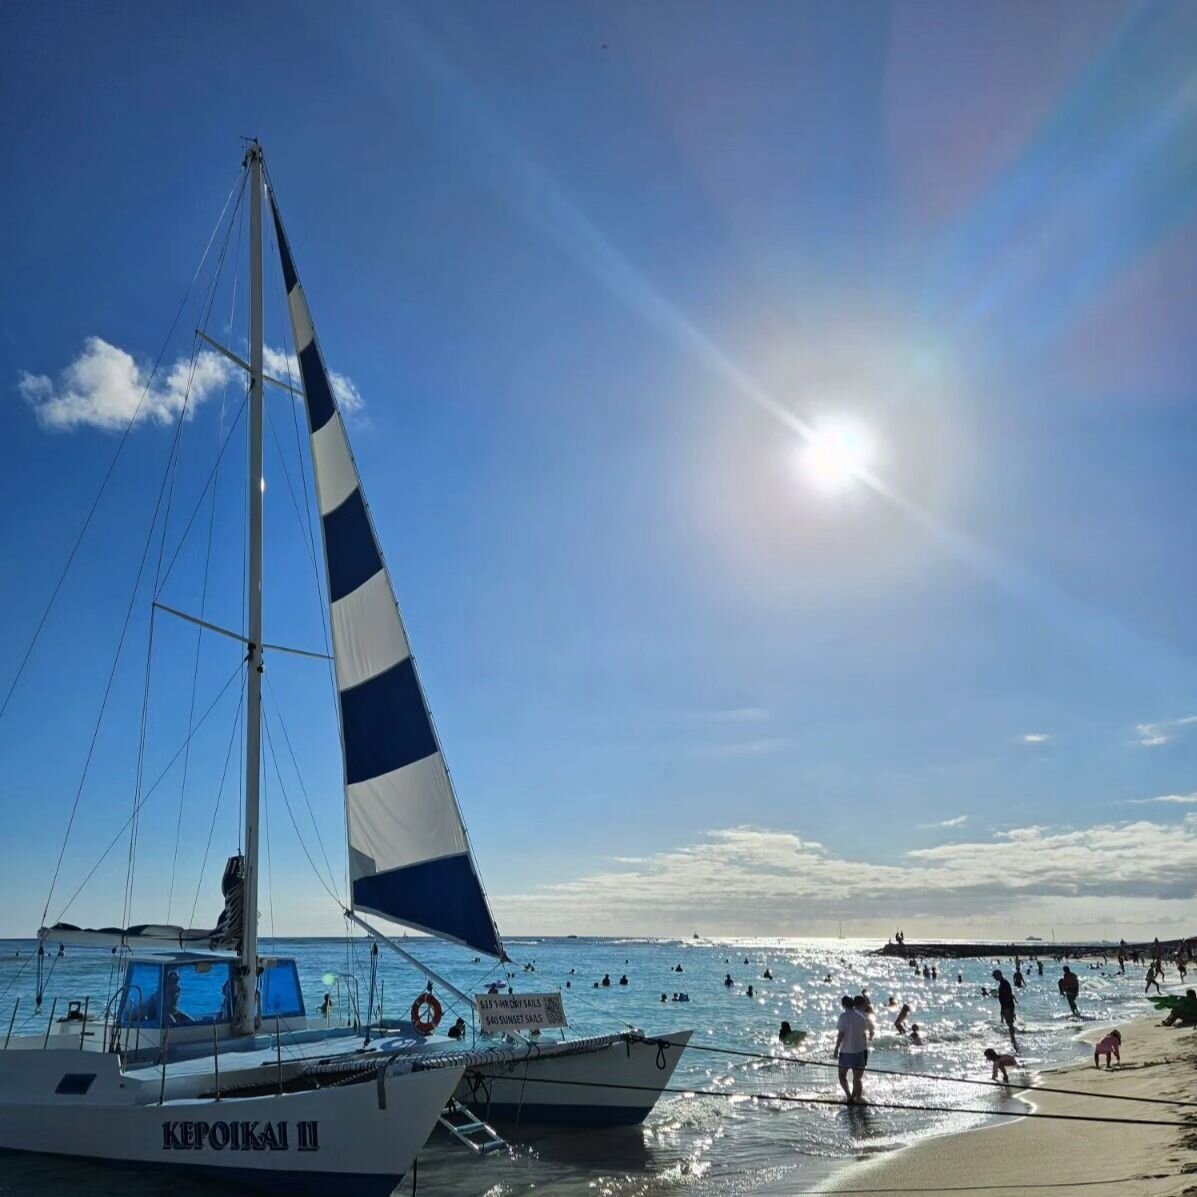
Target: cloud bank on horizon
[(753, 881), (106, 388)]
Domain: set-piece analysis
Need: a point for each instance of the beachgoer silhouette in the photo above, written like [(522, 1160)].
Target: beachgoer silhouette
[(1069, 985), (1006, 1004), (1153, 978)]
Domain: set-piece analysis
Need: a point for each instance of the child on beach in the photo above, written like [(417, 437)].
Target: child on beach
[(1000, 1061), (1108, 1047)]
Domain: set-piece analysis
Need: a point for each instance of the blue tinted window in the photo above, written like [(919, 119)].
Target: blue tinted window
[(205, 992), (141, 1006), (279, 990), (178, 995)]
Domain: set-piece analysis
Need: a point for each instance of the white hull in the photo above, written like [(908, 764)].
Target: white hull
[(355, 1138), (617, 1085)]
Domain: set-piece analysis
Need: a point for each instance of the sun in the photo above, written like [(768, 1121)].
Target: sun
[(837, 454)]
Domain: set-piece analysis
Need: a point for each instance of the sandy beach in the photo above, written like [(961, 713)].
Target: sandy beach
[(1041, 1156)]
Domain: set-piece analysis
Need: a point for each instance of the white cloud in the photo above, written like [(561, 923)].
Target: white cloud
[(1037, 738), (747, 880), (1174, 799), (284, 366), (105, 387), (958, 821), (1152, 735)]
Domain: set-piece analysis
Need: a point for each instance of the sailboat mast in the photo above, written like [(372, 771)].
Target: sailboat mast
[(248, 971)]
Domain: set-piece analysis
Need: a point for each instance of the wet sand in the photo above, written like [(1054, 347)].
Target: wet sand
[(1042, 1156)]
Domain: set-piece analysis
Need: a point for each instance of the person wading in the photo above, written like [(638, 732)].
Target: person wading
[(1006, 1004), (852, 1049)]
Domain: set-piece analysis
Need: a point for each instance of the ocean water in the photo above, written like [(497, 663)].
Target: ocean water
[(692, 1144)]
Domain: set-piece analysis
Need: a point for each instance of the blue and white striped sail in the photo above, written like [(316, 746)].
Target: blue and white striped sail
[(409, 856)]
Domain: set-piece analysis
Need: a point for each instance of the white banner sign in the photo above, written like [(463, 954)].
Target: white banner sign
[(520, 1011)]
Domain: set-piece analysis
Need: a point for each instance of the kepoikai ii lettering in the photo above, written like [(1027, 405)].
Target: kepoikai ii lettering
[(238, 1136)]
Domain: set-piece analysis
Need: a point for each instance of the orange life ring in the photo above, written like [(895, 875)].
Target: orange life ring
[(426, 1025)]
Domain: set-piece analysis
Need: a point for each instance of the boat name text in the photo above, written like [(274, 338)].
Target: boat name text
[(239, 1136)]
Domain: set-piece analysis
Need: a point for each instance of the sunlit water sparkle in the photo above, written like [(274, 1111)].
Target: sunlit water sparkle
[(701, 1145)]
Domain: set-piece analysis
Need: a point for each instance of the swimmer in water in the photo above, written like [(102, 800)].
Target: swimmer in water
[(900, 1021), (915, 1037)]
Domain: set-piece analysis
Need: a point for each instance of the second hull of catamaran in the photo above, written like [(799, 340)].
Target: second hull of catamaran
[(352, 1138), (608, 1080)]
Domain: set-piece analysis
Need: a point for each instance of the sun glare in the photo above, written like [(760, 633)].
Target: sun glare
[(837, 454)]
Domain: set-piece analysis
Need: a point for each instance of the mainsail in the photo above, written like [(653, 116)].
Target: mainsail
[(409, 856)]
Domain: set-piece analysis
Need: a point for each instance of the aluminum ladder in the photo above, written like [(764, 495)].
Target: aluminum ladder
[(466, 1127)]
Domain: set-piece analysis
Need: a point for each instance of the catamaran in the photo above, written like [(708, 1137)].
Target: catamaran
[(205, 1056)]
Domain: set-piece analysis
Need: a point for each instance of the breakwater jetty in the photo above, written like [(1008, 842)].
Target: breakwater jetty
[(1025, 948)]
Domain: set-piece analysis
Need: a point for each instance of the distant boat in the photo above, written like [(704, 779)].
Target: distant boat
[(1034, 939)]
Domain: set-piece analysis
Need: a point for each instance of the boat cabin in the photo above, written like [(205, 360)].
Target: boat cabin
[(179, 993)]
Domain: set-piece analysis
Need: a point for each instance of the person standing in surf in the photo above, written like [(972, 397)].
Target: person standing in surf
[(852, 1049), (1006, 1004), (1070, 985)]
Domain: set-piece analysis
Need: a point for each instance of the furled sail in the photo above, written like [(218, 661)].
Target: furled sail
[(225, 936), (409, 856)]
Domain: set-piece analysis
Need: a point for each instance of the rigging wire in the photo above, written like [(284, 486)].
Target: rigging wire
[(242, 176), (145, 715), (305, 463), (792, 1099), (199, 636), (172, 475), (278, 714), (239, 671), (104, 700), (228, 756), (287, 802), (168, 475), (212, 476), (1021, 1186), (269, 869), (806, 1061)]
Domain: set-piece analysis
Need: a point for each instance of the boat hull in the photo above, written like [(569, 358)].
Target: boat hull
[(617, 1085), (356, 1138)]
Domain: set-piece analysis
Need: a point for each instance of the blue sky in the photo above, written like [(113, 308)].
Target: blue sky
[(583, 265)]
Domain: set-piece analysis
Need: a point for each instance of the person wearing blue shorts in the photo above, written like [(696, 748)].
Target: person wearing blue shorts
[(852, 1049)]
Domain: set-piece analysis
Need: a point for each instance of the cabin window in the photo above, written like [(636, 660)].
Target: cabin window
[(75, 1084), (183, 994), (142, 985), (279, 992)]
